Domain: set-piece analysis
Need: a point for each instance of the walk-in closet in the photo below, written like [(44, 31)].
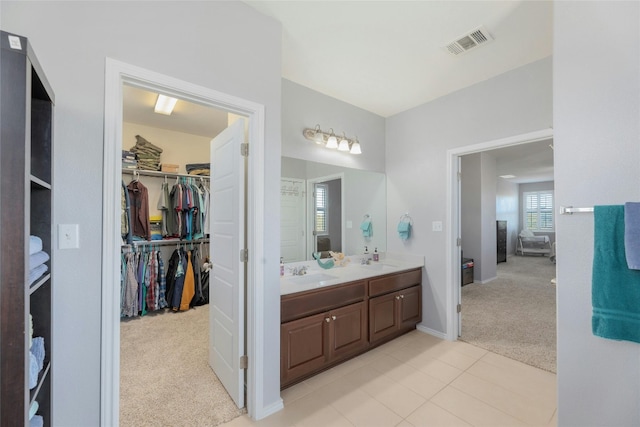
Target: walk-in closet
[(165, 377)]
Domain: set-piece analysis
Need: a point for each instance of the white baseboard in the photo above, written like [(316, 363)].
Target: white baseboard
[(430, 331), (269, 410)]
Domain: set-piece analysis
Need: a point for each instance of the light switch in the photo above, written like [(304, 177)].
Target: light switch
[(68, 236), (436, 225)]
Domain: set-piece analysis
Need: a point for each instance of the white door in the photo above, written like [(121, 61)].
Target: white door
[(226, 322), (457, 261), (292, 220)]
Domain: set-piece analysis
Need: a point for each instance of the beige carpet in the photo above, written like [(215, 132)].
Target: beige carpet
[(165, 378), (514, 315)]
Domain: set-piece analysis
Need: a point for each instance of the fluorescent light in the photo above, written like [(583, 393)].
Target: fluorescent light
[(507, 176), (165, 104)]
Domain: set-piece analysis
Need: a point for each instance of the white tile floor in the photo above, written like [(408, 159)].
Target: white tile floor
[(419, 380)]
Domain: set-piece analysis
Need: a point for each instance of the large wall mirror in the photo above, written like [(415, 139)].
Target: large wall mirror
[(323, 207)]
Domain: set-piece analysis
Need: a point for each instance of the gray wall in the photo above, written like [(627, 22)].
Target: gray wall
[(226, 46), (513, 103), (596, 112), (305, 108), (507, 203)]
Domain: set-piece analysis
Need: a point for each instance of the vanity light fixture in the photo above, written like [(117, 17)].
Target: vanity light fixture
[(165, 104), (329, 140), (344, 143), (332, 142)]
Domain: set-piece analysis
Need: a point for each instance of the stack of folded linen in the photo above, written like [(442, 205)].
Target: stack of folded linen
[(37, 259), (148, 155), (129, 160), (203, 169)]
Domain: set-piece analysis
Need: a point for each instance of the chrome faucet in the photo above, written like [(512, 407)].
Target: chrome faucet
[(365, 261), (299, 271)]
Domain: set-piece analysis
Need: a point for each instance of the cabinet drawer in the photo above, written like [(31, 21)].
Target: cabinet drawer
[(295, 306), (394, 282)]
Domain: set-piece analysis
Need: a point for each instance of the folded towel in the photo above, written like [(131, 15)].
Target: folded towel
[(37, 349), (632, 234), (33, 371), (33, 408), (35, 244), (37, 259), (404, 229), (615, 289), (36, 421), (366, 228), (37, 272)]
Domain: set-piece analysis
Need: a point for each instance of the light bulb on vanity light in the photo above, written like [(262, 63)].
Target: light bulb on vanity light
[(344, 143), (355, 147), (332, 142), (318, 136)]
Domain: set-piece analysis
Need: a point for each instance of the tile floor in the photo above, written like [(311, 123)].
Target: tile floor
[(419, 380)]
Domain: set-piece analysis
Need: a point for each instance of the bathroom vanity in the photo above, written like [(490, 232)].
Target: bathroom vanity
[(329, 316)]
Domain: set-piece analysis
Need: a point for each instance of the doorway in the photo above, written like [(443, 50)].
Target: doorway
[(118, 74), (454, 257), (325, 215)]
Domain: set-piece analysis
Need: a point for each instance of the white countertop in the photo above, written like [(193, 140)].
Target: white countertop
[(317, 277)]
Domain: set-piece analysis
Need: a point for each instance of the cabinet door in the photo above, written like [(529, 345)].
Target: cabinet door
[(410, 307), (383, 316), (348, 330), (303, 346)]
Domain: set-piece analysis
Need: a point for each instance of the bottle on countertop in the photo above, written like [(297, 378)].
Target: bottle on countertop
[(376, 256), (366, 250), (281, 266)]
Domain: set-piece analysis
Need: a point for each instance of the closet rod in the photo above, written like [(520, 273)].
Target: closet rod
[(136, 243), (162, 174), (571, 210)]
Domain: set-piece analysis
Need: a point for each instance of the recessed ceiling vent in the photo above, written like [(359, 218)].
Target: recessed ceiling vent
[(475, 37)]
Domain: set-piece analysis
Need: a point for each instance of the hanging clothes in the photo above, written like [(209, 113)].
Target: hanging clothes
[(139, 208)]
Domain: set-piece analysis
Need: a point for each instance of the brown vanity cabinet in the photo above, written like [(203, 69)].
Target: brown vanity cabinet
[(395, 305), (323, 327)]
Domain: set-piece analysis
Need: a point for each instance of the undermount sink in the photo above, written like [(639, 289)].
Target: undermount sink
[(311, 278), (377, 266)]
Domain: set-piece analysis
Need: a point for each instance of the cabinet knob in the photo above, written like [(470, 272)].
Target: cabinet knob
[(397, 296), (333, 317), (401, 296), (327, 320)]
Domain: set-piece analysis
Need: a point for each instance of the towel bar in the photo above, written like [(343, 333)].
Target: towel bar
[(564, 210)]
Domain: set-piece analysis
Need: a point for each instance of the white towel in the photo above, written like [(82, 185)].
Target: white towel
[(35, 244), (37, 259)]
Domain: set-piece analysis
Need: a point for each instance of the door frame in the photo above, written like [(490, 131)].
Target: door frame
[(453, 217), (118, 73)]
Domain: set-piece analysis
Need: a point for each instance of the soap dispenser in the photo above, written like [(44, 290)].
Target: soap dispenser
[(376, 256), (366, 250)]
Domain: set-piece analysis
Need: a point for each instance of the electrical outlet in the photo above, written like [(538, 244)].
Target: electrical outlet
[(436, 225)]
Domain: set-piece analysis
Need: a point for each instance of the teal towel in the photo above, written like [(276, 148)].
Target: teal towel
[(404, 229), (615, 289), (366, 228)]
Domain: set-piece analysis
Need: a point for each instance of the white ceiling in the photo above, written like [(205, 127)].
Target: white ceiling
[(387, 57)]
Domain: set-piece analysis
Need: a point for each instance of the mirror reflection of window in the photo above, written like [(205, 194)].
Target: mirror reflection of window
[(322, 207)]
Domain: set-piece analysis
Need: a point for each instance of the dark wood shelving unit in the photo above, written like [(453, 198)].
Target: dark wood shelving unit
[(26, 194)]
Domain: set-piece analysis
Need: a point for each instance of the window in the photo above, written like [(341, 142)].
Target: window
[(538, 210), (321, 209)]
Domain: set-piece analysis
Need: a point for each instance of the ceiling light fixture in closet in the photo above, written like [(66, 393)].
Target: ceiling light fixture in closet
[(329, 140), (165, 104)]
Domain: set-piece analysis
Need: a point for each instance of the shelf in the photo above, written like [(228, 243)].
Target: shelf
[(41, 281), (38, 183), (164, 242), (160, 174)]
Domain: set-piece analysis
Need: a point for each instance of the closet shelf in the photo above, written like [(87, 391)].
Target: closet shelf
[(37, 182), (38, 284), (164, 242), (160, 174)]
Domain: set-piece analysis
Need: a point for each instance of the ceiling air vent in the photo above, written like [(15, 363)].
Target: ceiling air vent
[(470, 40)]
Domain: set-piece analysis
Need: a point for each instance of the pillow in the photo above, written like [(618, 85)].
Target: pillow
[(526, 233)]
